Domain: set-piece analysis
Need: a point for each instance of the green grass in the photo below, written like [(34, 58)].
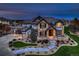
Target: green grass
[(19, 44), (69, 50)]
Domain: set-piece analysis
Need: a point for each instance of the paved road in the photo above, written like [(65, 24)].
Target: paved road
[(4, 50)]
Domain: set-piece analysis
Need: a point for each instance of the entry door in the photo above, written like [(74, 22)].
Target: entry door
[(51, 32)]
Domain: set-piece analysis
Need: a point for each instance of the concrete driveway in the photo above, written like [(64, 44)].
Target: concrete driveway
[(4, 50)]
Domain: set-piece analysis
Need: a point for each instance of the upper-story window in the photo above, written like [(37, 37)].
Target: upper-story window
[(42, 25), (59, 24)]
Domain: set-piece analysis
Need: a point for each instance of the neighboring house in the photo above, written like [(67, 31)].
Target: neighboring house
[(74, 26), (4, 27)]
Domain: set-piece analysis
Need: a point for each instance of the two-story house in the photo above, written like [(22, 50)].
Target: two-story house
[(47, 30)]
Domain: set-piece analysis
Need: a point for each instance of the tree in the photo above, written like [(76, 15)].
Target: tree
[(10, 42), (75, 21), (33, 35), (74, 26), (14, 39)]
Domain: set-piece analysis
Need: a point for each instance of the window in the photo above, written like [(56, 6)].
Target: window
[(59, 24), (42, 25), (50, 32), (59, 32), (42, 34)]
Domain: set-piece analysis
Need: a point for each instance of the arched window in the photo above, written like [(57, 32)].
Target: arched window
[(59, 24)]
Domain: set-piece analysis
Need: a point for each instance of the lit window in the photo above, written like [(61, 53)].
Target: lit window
[(50, 32), (59, 24)]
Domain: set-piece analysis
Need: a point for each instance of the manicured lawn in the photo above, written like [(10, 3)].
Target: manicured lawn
[(69, 50), (19, 44)]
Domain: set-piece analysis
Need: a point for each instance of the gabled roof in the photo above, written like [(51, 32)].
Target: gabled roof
[(47, 23), (59, 21), (37, 18), (27, 29), (50, 19), (50, 27), (42, 20)]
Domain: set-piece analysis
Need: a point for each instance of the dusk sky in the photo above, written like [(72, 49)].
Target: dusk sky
[(29, 11)]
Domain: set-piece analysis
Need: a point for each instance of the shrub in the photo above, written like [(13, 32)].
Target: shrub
[(14, 39), (18, 54), (10, 42), (13, 49), (10, 45)]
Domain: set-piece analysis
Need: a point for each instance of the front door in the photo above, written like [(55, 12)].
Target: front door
[(51, 32)]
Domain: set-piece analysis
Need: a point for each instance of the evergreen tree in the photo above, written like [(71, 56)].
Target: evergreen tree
[(33, 35)]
